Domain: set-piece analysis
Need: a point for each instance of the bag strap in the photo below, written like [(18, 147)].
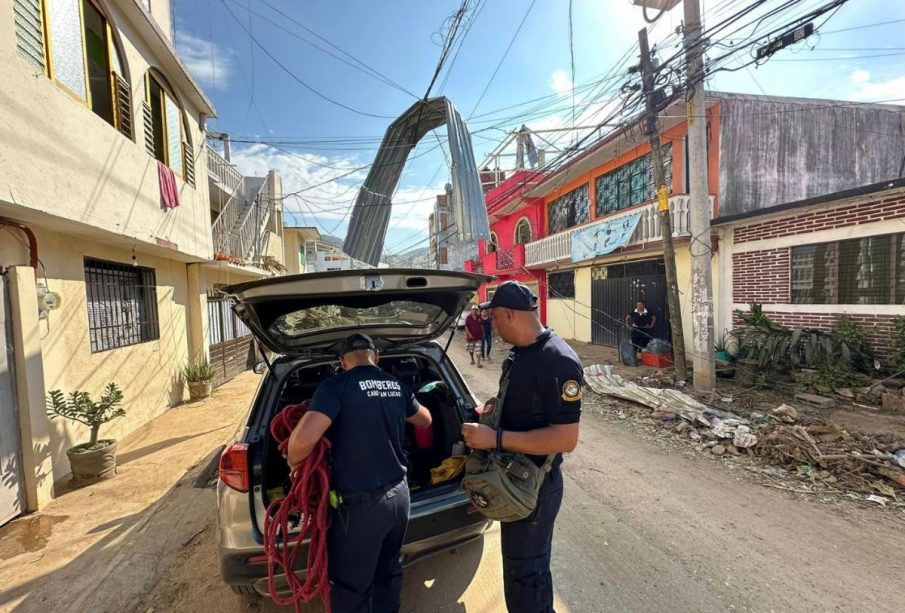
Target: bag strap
[(504, 387)]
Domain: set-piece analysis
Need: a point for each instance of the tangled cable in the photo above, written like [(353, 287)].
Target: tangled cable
[(305, 506)]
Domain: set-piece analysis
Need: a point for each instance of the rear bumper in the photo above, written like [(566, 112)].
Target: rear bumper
[(435, 525), (411, 553)]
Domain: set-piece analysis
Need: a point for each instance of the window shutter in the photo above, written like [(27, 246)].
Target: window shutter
[(123, 105), (29, 32), (148, 119), (189, 160)]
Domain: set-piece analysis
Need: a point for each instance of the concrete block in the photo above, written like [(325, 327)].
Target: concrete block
[(815, 400), (894, 403)]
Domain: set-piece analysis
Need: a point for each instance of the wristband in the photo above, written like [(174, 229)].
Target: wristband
[(499, 440)]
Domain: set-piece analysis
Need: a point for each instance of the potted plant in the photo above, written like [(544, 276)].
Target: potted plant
[(199, 374), (95, 459)]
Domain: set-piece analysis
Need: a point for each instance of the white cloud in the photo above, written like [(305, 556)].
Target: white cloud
[(328, 206), (868, 90), (560, 82), (206, 61), (860, 76)]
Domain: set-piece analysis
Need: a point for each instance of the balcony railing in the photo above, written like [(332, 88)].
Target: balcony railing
[(558, 247), (500, 261), (222, 172)]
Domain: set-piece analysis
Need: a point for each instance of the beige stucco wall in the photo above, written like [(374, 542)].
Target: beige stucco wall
[(291, 251), (572, 318), (61, 161), (148, 373)]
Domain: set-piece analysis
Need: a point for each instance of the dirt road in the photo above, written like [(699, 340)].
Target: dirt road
[(642, 528)]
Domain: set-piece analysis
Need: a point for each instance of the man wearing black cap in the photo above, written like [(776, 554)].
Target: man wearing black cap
[(365, 410), (540, 413)]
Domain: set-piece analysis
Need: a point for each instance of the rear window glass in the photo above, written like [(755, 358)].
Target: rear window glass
[(324, 317)]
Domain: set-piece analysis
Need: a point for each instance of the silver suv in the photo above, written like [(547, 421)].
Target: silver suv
[(302, 319)]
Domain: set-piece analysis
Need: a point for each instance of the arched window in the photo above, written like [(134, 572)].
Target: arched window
[(166, 136), (493, 243), (84, 57), (523, 231)]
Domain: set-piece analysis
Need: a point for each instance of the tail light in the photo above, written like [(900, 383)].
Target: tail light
[(234, 467)]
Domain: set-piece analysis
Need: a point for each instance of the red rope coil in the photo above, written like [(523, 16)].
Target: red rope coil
[(309, 501)]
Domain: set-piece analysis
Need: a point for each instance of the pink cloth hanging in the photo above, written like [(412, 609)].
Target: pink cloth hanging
[(169, 194)]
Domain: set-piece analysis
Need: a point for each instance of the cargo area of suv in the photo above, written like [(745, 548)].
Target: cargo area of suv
[(302, 320), (417, 372)]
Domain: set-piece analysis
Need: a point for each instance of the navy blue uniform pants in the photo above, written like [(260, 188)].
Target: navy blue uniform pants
[(487, 343), (527, 546), (363, 543)]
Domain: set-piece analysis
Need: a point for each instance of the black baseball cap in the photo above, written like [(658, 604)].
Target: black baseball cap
[(357, 342), (512, 295)]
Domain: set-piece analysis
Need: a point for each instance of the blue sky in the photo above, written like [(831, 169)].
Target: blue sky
[(258, 100)]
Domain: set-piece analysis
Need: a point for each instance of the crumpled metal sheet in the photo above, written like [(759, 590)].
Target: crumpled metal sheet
[(371, 212), (604, 381)]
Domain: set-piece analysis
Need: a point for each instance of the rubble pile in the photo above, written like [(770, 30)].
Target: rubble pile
[(820, 452)]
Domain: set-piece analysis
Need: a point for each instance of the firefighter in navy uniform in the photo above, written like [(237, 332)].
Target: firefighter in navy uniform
[(363, 411), (540, 416)]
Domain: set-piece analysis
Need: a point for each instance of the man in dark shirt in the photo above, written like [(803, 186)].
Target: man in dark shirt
[(474, 333), (363, 411), (640, 322), (541, 411)]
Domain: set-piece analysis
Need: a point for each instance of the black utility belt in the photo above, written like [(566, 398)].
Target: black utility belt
[(366, 495)]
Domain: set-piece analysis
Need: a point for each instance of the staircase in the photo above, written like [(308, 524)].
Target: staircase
[(240, 229)]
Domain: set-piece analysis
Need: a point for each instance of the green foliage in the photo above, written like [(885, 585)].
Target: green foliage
[(725, 343), (78, 406), (836, 376), (854, 341), (779, 347), (897, 359), (196, 371)]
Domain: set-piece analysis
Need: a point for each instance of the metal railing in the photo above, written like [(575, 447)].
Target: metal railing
[(558, 247), (221, 171)]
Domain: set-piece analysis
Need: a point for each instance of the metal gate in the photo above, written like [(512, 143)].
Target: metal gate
[(11, 494), (231, 343), (614, 291)]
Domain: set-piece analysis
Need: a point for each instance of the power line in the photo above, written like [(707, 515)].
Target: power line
[(502, 59), (294, 76)]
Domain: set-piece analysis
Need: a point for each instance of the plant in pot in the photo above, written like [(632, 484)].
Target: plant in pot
[(199, 374), (95, 459)]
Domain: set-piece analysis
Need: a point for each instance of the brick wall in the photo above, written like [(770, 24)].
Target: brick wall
[(878, 327), (761, 276), (880, 209)]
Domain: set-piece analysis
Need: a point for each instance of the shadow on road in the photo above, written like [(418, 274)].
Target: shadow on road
[(438, 583)]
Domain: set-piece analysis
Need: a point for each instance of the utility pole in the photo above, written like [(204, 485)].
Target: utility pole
[(652, 132), (699, 214)]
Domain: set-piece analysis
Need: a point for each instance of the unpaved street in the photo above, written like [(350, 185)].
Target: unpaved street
[(642, 528)]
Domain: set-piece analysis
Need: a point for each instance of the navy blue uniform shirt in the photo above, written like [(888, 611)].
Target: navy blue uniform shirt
[(368, 408), (545, 382)]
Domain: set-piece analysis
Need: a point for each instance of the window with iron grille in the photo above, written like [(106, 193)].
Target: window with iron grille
[(631, 183), (561, 284), (869, 270), (569, 210), (122, 304)]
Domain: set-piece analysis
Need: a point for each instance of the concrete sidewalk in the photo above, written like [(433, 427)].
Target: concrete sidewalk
[(100, 548)]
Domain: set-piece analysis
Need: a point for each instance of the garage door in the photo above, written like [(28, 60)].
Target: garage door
[(614, 290), (11, 495), (231, 343)]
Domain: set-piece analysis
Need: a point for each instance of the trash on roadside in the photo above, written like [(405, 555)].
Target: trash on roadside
[(786, 413), (878, 499), (744, 438), (900, 457)]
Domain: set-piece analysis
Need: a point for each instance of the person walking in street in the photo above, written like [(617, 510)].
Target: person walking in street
[(365, 410), (474, 334), (641, 322), (487, 343), (540, 416)]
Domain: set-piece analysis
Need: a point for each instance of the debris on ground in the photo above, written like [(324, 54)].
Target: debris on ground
[(808, 449)]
